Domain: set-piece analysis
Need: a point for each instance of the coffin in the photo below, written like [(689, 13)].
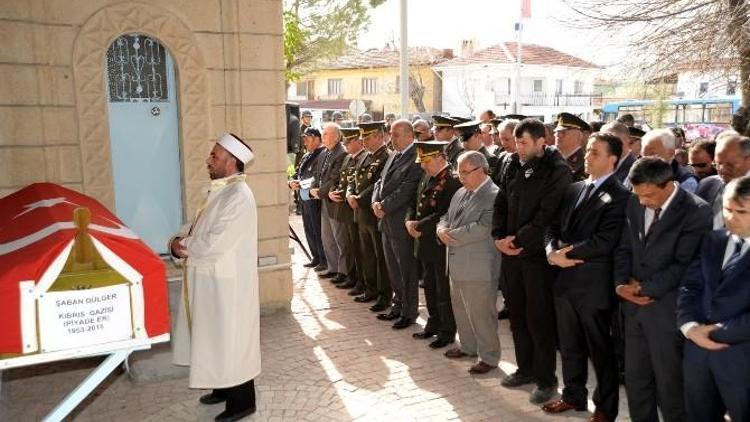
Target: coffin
[(73, 278)]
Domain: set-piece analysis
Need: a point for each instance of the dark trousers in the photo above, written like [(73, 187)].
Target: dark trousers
[(437, 294), (311, 221), (584, 333), (353, 256), (618, 337), (717, 382), (375, 274), (532, 316), (398, 246), (653, 368), (240, 397)]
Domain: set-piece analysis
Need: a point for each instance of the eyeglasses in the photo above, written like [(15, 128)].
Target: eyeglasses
[(699, 165), (467, 172)]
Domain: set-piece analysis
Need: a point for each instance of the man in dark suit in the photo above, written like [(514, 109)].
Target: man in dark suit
[(627, 158), (359, 197), (663, 228), (355, 155), (433, 198), (732, 159), (332, 231), (581, 241), (568, 139), (529, 197), (701, 158), (713, 312), (308, 169), (392, 196)]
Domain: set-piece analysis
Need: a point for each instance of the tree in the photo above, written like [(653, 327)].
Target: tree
[(319, 30), (707, 35), (466, 87)]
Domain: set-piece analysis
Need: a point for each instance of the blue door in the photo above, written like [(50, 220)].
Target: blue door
[(143, 127)]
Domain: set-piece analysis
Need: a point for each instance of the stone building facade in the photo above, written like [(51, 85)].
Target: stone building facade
[(228, 61)]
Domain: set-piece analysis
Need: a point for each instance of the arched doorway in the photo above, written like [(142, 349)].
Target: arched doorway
[(144, 132)]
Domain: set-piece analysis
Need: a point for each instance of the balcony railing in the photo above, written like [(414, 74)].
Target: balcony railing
[(556, 100)]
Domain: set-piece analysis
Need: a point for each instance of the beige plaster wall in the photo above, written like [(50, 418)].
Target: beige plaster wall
[(228, 54)]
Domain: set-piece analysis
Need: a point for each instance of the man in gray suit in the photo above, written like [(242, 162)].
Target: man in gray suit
[(732, 159), (473, 263), (393, 195), (333, 232)]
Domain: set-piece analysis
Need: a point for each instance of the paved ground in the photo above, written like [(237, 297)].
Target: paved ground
[(328, 360)]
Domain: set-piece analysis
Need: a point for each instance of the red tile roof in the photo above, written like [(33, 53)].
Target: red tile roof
[(530, 54), (387, 57)]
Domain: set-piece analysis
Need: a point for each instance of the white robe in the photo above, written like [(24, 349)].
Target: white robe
[(220, 338)]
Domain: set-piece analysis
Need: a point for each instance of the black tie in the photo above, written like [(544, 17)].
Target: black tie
[(653, 222), (586, 195), (463, 203), (736, 255)]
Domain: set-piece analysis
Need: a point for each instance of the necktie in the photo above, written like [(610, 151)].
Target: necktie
[(586, 195), (653, 222), (736, 255), (462, 205)]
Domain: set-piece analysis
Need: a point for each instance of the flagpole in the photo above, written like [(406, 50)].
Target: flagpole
[(525, 11), (404, 71)]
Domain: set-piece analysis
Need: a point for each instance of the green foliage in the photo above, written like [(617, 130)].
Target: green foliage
[(319, 30)]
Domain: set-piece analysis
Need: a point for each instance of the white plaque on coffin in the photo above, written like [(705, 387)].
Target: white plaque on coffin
[(78, 318)]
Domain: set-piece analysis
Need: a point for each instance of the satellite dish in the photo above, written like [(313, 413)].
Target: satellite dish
[(357, 107)]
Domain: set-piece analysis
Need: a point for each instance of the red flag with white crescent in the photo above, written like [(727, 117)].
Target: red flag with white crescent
[(525, 9)]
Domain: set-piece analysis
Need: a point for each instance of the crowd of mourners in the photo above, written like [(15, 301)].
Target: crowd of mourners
[(611, 244)]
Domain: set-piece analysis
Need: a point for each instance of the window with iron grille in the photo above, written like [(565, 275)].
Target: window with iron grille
[(369, 86), (578, 87)]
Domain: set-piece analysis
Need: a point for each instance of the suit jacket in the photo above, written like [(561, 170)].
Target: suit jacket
[(310, 165), (529, 198), (473, 257), (347, 178), (594, 230), (397, 186), (491, 161), (452, 151), (707, 296), (622, 172), (367, 173), (434, 196), (660, 261), (329, 176)]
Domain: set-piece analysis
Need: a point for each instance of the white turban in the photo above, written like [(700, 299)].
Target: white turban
[(235, 147)]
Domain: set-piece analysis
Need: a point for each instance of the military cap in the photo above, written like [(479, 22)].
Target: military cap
[(635, 132), (567, 121), (368, 128), (350, 133), (444, 121), (467, 129), (496, 121), (428, 149), (312, 131), (462, 119), (336, 115), (306, 113), (514, 117)]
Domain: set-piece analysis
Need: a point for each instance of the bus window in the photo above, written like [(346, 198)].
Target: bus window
[(680, 118), (720, 113), (693, 113), (635, 110)]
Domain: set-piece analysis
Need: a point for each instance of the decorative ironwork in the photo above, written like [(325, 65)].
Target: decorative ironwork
[(137, 70)]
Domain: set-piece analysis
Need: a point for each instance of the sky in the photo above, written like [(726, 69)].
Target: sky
[(444, 23)]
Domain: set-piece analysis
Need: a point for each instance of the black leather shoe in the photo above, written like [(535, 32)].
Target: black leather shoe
[(355, 292), (364, 298), (347, 285), (211, 399), (321, 267), (516, 379), (327, 275), (390, 316), (422, 335), (378, 307), (440, 343), (311, 264), (227, 416), (503, 314), (402, 323)]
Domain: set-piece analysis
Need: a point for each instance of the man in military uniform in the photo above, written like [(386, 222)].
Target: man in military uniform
[(568, 139), (471, 139), (434, 195), (377, 284), (345, 215), (444, 133)]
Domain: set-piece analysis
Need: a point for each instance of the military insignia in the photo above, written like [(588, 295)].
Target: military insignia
[(528, 173)]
